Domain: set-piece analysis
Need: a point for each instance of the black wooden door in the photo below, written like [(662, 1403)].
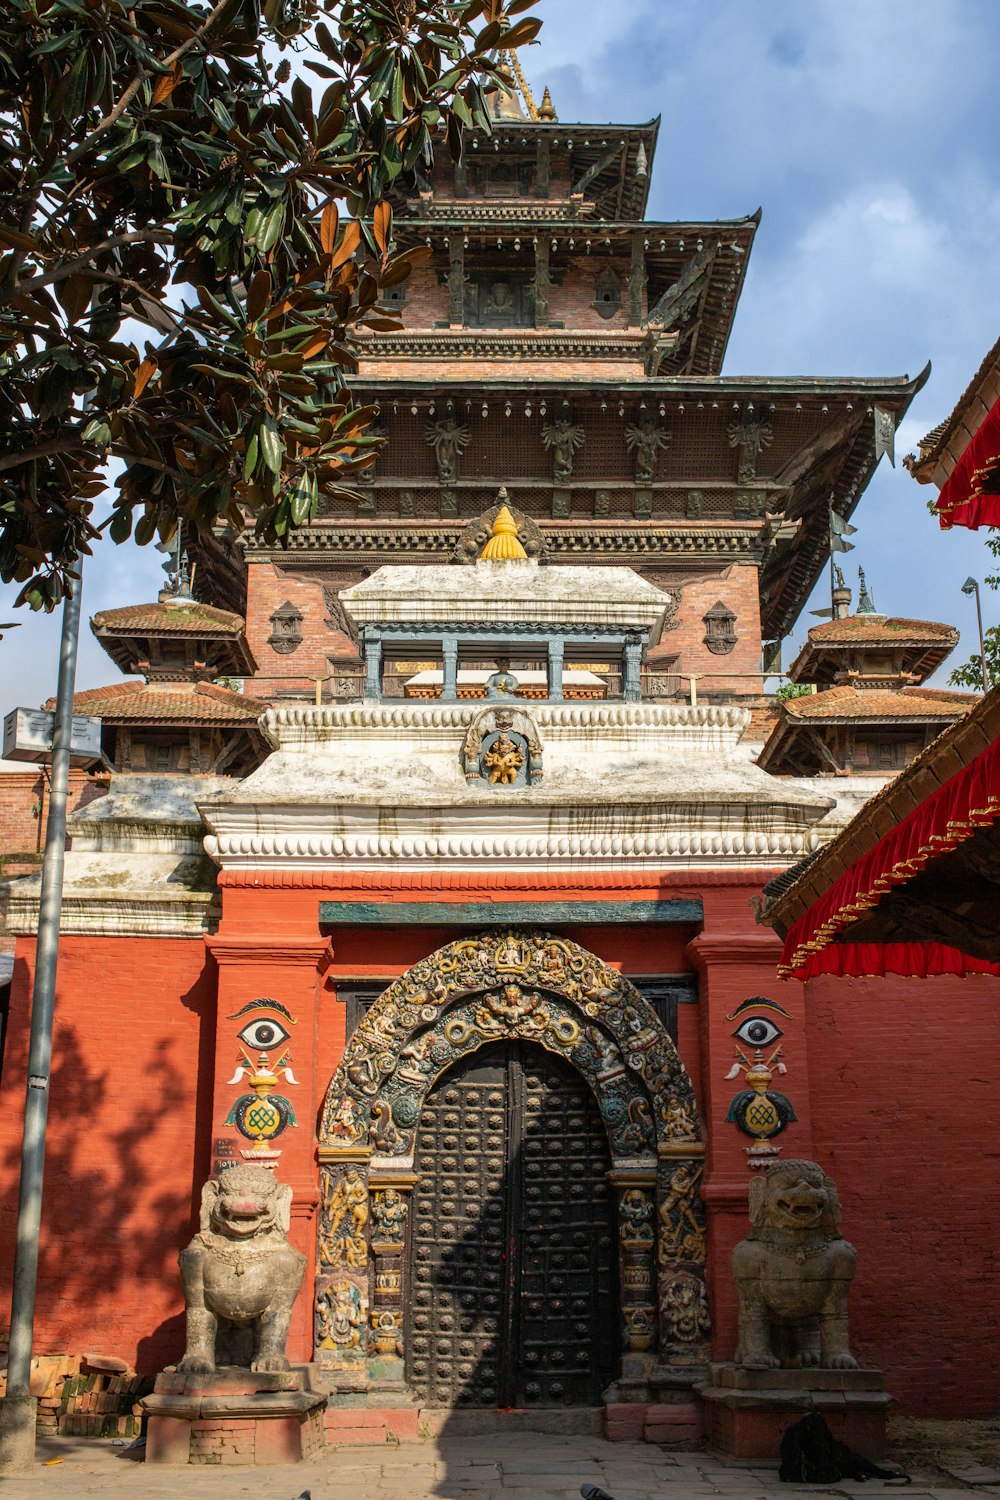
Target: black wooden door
[(513, 1296)]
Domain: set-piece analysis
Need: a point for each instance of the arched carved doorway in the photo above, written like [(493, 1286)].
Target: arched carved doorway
[(544, 992)]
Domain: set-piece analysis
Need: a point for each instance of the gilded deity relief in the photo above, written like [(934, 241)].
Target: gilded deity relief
[(636, 1215), (341, 1316), (682, 1228), (502, 747), (388, 1216)]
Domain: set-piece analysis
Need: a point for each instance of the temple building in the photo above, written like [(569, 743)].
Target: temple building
[(452, 925), (868, 711)]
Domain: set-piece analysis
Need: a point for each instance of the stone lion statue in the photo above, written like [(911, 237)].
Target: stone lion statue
[(240, 1274), (793, 1272)]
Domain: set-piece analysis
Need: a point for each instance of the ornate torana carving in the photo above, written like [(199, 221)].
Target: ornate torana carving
[(646, 440), (564, 440), (684, 1309), (682, 1219), (449, 440), (793, 1272), (240, 1274), (751, 435)]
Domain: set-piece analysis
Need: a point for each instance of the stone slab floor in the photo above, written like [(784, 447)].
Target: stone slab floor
[(525, 1466)]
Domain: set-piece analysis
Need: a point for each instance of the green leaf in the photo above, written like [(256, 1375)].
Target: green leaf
[(270, 444)]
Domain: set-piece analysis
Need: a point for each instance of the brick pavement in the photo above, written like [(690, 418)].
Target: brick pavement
[(525, 1466)]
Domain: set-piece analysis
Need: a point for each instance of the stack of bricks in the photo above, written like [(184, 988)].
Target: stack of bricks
[(77, 1398), (248, 1440), (673, 1424), (102, 1404)]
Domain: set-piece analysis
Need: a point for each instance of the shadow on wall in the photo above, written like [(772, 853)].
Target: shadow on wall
[(123, 1175)]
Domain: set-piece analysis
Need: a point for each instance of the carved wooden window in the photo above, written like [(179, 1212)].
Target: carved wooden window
[(608, 292), (496, 299), (720, 629), (502, 179)]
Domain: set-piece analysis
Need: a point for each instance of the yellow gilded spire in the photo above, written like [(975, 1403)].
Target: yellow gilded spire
[(504, 544)]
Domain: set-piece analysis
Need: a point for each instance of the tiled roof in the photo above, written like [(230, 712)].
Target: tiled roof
[(151, 703), (933, 443), (956, 746), (872, 629), (172, 619), (859, 703)]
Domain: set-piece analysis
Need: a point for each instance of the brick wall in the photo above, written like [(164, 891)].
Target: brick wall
[(294, 672), (24, 805), (903, 1079), (736, 587), (128, 1142)]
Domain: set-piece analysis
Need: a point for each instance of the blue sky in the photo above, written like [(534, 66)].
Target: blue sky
[(863, 129)]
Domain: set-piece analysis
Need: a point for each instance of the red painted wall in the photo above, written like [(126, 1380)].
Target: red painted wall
[(128, 1144), (904, 1076)]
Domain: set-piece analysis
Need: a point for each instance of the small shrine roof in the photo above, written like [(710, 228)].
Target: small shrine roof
[(846, 702), (168, 619), (182, 703), (507, 592), (926, 644)]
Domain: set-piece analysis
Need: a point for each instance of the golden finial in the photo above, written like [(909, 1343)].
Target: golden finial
[(504, 544), (546, 110)]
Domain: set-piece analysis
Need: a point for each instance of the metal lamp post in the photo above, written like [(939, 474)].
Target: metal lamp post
[(17, 1411), (971, 586)]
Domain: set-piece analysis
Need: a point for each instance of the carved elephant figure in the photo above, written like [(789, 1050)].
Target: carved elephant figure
[(793, 1272), (240, 1273)]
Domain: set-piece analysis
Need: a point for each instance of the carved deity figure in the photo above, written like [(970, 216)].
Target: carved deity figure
[(240, 1273), (682, 1235), (344, 1242), (503, 760), (389, 1213), (645, 441), (636, 1214), (685, 1309), (793, 1272), (563, 438), (448, 439)]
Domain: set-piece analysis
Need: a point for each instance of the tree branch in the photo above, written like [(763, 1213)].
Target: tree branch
[(134, 86), (40, 450), (49, 278)]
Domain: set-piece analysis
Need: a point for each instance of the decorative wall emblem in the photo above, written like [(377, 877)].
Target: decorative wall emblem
[(262, 1115), (720, 629), (646, 441), (449, 440), (751, 435), (759, 1111), (502, 748), (563, 439), (286, 629)]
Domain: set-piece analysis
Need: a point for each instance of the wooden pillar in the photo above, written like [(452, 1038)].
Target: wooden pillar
[(373, 668), (456, 281), (391, 1197), (636, 282), (555, 669), (544, 164), (449, 654), (541, 282), (636, 1188)]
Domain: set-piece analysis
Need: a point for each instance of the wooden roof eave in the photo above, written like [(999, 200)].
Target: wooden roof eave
[(954, 748)]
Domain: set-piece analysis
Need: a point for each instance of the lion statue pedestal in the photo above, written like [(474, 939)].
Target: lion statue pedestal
[(233, 1398), (793, 1273)]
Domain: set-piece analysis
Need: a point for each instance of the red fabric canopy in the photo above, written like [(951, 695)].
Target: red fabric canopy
[(969, 800), (962, 501)]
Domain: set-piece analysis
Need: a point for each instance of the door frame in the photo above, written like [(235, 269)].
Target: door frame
[(512, 984)]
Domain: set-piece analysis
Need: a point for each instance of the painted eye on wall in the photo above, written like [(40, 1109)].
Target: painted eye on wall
[(758, 1031), (263, 1035)]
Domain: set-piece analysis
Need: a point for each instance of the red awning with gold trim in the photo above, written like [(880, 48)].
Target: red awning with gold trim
[(971, 494), (819, 942)]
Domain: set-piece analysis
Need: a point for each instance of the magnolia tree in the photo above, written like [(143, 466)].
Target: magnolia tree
[(191, 227)]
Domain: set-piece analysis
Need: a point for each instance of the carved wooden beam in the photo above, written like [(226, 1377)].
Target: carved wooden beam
[(600, 165), (682, 295)]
